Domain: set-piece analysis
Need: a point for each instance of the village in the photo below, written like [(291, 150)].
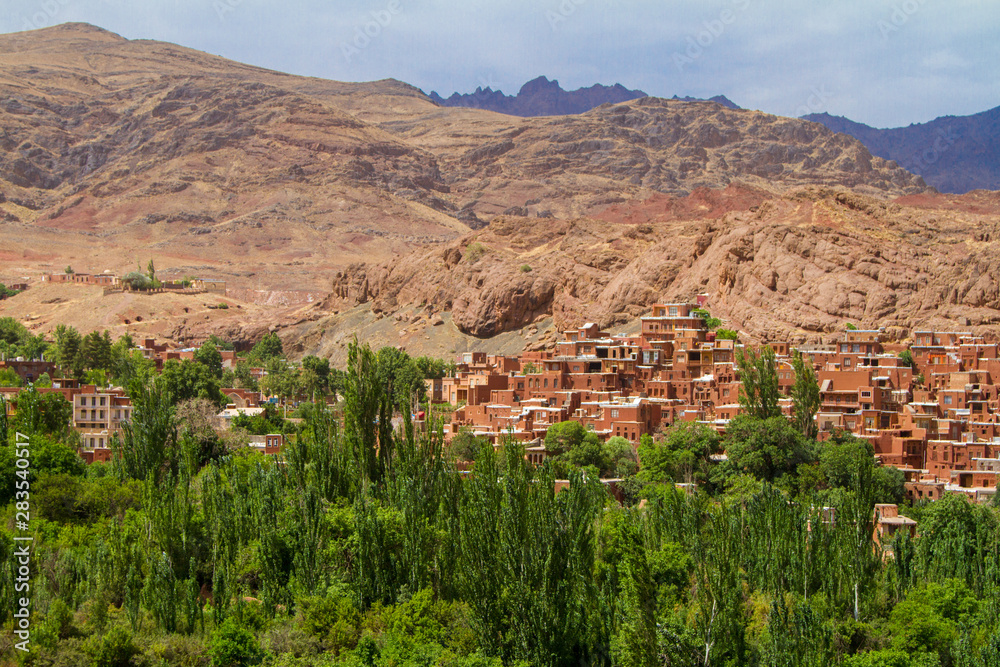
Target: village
[(929, 409)]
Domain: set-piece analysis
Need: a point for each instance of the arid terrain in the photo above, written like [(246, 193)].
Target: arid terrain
[(334, 208)]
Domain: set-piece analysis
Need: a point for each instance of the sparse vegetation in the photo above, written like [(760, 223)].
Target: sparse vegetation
[(710, 322), (474, 252), (525, 268), (136, 280)]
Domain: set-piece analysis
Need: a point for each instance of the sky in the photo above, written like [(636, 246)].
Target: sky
[(887, 63)]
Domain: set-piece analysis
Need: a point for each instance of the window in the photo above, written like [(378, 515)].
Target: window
[(102, 400), (614, 414), (947, 400)]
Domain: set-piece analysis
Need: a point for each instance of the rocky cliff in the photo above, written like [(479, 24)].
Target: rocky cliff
[(797, 266)]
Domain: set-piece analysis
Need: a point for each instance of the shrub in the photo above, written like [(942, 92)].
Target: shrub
[(233, 645), (334, 620), (474, 252), (525, 268), (114, 649)]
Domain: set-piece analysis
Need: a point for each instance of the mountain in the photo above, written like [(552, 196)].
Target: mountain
[(796, 266), (113, 152), (954, 154), (541, 97), (718, 99)]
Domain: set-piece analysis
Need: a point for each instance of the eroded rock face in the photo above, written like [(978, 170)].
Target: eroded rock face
[(798, 266)]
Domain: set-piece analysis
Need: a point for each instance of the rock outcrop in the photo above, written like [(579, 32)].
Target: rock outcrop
[(798, 266)]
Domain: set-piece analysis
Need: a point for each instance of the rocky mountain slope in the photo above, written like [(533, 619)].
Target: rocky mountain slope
[(953, 153), (115, 151), (797, 266)]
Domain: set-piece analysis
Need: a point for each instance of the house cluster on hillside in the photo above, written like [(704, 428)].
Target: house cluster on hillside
[(98, 412), (936, 420)]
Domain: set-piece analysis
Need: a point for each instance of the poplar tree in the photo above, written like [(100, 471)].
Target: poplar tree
[(759, 378), (805, 396)]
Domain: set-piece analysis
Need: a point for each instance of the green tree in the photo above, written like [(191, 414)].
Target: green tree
[(906, 357), (765, 448), (759, 378), (12, 332), (268, 347), (95, 352), (233, 645), (221, 343), (564, 436), (185, 379), (136, 280), (48, 457), (402, 380), (10, 378), (805, 396), (431, 368), (114, 649), (147, 443), (955, 539), (315, 376), (209, 356), (244, 377), (47, 413), (464, 446), (683, 455)]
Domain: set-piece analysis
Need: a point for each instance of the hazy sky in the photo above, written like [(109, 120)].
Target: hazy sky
[(883, 62)]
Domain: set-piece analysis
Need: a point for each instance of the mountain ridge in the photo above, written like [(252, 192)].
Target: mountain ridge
[(118, 151), (954, 154), (544, 97)]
